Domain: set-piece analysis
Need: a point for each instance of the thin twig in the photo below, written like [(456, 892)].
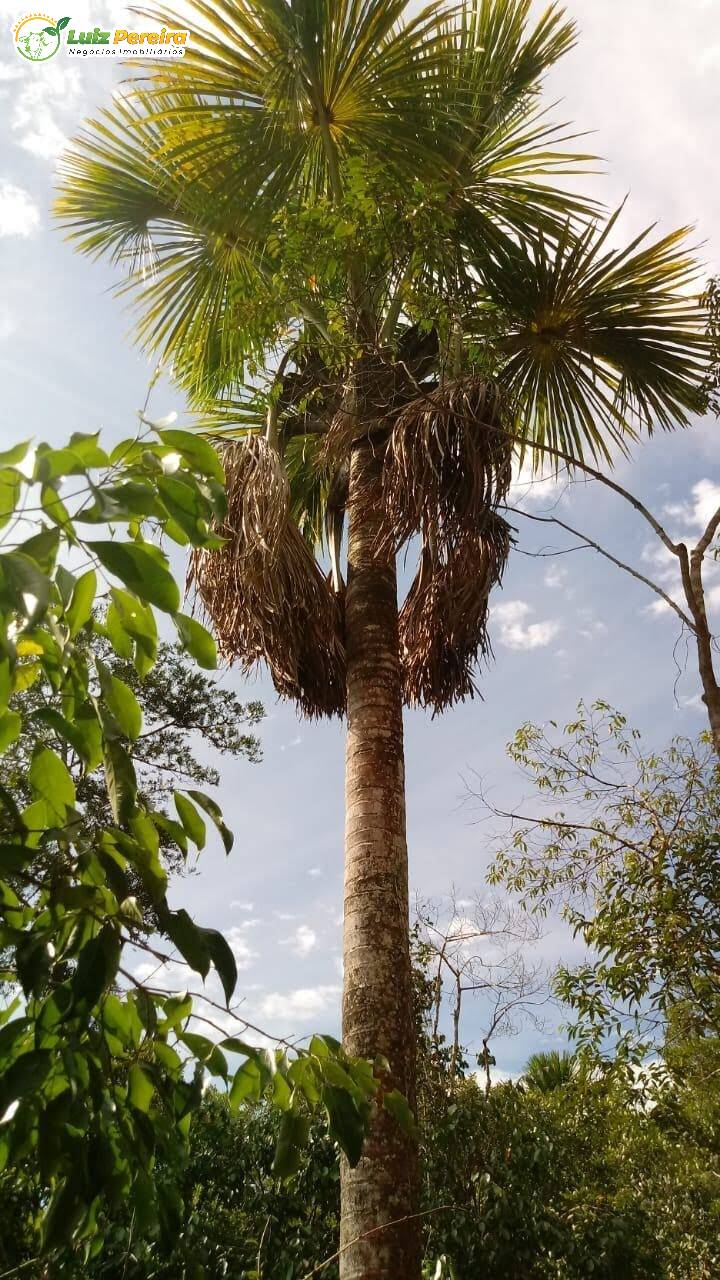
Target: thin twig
[(595, 546), (396, 1222)]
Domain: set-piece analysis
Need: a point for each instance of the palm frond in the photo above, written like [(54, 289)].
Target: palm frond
[(447, 464), (263, 591), (347, 69), (598, 342), (443, 621)]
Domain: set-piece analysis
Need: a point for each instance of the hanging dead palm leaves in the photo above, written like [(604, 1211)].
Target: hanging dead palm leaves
[(443, 622), (266, 597), (447, 463)]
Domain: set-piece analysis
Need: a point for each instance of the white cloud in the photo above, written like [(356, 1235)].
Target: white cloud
[(314, 872), (7, 323), (303, 1002), (532, 486), (708, 61), (238, 904), (704, 503), (514, 634), (19, 215), (556, 576), (657, 608), (303, 941), (593, 627), (46, 108), (242, 951), (497, 1076)]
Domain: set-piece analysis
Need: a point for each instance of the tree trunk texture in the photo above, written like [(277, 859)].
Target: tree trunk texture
[(711, 689), (377, 996)]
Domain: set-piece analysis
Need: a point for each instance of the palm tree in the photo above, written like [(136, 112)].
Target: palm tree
[(343, 234), (550, 1070)]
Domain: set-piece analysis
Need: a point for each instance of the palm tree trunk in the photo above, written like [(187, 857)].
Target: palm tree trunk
[(377, 998)]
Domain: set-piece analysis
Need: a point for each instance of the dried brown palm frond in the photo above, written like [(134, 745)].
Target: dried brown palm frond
[(447, 463), (443, 622), (263, 590), (258, 495)]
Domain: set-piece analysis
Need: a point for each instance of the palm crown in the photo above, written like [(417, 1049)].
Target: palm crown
[(340, 218)]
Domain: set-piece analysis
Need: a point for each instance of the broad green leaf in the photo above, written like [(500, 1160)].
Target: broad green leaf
[(27, 1074), (25, 675), (346, 1123), (185, 505), (293, 1137), (22, 585), (200, 455), (42, 548), (120, 780), (397, 1105), (11, 457), (197, 641), (138, 620), (172, 829), (119, 638), (97, 966), (247, 1083), (10, 485), (83, 735), (50, 464), (83, 444), (120, 701), (189, 940), (50, 781), (140, 571), (215, 814), (55, 509), (223, 959), (10, 725), (79, 610), (140, 1088), (191, 820)]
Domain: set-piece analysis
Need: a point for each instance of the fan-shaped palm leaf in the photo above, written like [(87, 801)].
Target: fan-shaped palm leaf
[(597, 341)]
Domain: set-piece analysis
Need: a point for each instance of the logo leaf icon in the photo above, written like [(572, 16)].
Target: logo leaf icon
[(50, 31), (62, 24)]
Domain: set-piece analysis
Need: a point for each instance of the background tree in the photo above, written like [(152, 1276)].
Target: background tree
[(550, 1069), (356, 247), (695, 562), (100, 1072), (480, 947), (183, 708), (631, 860), (574, 1175)]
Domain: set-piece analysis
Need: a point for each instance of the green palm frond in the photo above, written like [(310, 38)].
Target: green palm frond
[(597, 341), (192, 261), (347, 70), (309, 487), (551, 1069)]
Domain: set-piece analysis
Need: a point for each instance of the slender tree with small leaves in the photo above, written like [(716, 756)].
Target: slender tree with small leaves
[(344, 234)]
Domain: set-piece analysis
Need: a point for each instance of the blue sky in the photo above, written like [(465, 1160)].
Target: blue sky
[(645, 78)]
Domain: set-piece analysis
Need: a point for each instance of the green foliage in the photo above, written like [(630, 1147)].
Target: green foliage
[(583, 1180), (631, 857), (99, 1073), (332, 174), (549, 1070), (575, 1182)]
